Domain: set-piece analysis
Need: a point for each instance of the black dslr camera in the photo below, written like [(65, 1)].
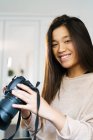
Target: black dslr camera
[(7, 112)]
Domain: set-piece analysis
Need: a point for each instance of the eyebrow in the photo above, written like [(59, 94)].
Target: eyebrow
[(64, 37)]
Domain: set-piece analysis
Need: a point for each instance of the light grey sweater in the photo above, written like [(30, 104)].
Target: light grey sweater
[(76, 101)]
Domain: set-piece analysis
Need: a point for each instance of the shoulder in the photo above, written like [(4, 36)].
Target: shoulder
[(83, 83), (88, 77)]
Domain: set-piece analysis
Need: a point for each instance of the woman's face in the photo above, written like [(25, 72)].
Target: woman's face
[(63, 48)]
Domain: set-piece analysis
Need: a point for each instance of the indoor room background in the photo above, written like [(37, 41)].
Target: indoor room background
[(23, 28)]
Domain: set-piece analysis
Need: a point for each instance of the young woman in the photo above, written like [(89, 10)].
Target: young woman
[(67, 97)]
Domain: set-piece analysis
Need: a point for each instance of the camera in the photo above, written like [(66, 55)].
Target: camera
[(7, 112)]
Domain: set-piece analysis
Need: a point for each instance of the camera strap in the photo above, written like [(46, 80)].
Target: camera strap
[(37, 116)]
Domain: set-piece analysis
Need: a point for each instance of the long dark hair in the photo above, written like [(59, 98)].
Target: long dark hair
[(54, 72)]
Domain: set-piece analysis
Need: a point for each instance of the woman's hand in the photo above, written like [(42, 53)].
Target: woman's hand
[(30, 98), (45, 110)]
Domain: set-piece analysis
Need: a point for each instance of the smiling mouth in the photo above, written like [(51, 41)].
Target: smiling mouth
[(64, 57)]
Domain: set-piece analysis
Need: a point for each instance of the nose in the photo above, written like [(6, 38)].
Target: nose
[(61, 47)]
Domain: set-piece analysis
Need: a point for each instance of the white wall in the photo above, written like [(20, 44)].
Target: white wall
[(47, 8)]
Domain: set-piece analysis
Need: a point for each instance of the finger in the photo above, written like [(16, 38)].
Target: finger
[(20, 106), (21, 95), (21, 92), (26, 88), (4, 88)]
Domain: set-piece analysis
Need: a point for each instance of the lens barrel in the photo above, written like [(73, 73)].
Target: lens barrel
[(7, 112)]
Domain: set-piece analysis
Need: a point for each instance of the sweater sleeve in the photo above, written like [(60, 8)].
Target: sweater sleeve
[(76, 130)]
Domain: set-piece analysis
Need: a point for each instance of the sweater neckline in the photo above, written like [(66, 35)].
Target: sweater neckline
[(78, 77)]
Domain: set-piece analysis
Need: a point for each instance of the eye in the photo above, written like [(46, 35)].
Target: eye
[(67, 41), (54, 45)]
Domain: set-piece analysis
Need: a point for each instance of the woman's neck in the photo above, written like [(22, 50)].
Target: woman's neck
[(76, 72)]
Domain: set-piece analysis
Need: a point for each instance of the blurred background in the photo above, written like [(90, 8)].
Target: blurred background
[(23, 28)]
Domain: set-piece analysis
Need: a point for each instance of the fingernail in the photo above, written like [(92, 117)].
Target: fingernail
[(13, 91), (18, 84)]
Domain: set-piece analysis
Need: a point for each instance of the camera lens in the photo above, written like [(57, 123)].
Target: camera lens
[(7, 112)]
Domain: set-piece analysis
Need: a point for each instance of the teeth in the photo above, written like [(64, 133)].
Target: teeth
[(65, 57)]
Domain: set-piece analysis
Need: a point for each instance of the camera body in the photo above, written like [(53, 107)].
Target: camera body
[(7, 112)]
